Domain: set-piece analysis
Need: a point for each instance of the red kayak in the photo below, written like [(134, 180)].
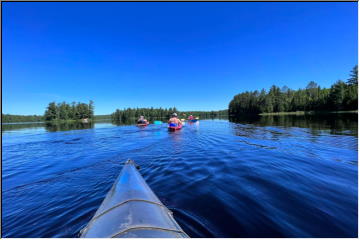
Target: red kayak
[(174, 128), (142, 124)]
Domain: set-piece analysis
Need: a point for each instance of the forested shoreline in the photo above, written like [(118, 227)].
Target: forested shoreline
[(12, 118), (77, 111), (161, 113), (55, 112), (341, 96), (62, 112)]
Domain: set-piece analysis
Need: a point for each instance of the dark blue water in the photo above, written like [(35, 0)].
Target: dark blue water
[(269, 177)]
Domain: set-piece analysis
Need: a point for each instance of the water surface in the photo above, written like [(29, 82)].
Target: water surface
[(287, 176)]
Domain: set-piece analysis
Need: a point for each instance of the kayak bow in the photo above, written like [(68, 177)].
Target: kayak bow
[(132, 210)]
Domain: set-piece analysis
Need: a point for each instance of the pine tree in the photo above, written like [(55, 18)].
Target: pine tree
[(353, 80), (337, 95), (91, 109), (51, 112)]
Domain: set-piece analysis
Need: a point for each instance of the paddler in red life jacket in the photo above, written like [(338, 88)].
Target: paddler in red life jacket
[(174, 121), (142, 120), (191, 117)]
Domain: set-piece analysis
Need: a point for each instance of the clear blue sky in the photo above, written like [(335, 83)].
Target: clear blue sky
[(195, 56)]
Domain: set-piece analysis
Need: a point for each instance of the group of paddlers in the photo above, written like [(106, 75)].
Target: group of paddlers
[(173, 119)]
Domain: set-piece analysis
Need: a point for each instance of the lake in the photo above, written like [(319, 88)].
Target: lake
[(271, 176)]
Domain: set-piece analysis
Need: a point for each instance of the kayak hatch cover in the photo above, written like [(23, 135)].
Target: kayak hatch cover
[(132, 210)]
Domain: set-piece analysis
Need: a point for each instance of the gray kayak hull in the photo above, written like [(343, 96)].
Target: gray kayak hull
[(132, 210)]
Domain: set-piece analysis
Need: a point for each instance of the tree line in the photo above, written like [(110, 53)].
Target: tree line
[(9, 118), (160, 113), (64, 111), (76, 111), (340, 96), (204, 114)]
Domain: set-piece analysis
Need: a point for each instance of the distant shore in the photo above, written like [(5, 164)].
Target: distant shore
[(108, 117), (305, 112)]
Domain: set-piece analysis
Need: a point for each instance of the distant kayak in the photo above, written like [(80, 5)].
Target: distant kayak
[(174, 127), (142, 124), (193, 120), (132, 210)]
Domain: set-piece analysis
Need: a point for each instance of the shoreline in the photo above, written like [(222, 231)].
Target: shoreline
[(299, 113)]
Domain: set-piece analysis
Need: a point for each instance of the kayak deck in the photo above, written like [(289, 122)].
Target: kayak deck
[(175, 128), (132, 210)]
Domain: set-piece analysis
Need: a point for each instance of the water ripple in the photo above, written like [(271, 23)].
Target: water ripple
[(220, 179)]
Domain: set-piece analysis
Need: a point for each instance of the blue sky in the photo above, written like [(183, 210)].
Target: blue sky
[(195, 56)]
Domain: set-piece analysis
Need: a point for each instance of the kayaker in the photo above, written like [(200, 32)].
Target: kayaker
[(174, 120), (191, 117), (142, 120)]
